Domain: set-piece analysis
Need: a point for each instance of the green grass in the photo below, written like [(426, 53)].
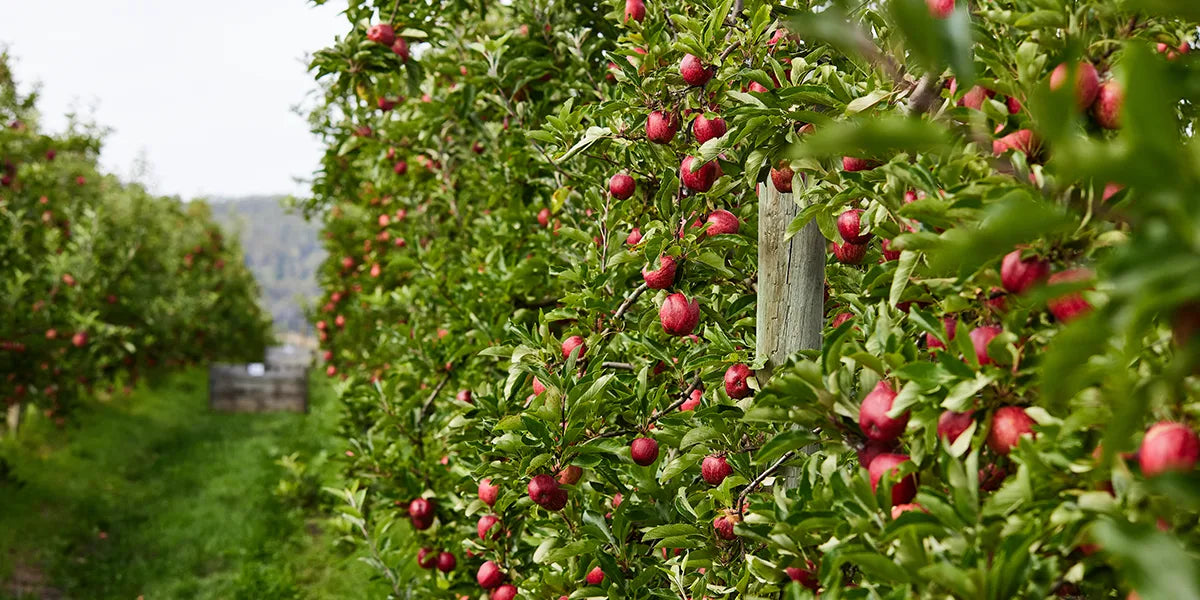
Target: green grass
[(153, 495)]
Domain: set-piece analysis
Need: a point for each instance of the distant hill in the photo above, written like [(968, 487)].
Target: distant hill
[(282, 250)]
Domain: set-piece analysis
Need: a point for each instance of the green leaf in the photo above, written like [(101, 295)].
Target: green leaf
[(904, 268)]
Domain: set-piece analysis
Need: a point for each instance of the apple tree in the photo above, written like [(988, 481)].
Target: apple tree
[(542, 297)]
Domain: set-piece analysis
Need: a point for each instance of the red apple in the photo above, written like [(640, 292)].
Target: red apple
[(662, 277), (850, 227), (1107, 108), (721, 222), (446, 562), (382, 33), (1087, 82), (873, 416), (693, 401), (635, 9), (485, 524), (400, 48), (888, 253), (705, 129), (976, 96), (401, 167), (851, 164), (952, 424), (644, 451), (723, 526), (543, 217), (634, 237), (544, 491), (1022, 140), (1071, 306), (573, 342), (781, 178), (701, 178), (621, 186), (426, 558), (940, 9), (1008, 425), (504, 592), (595, 576), (1018, 275), (464, 396), (849, 254), (1167, 447), (488, 492), (714, 469), (980, 338), (841, 318), (678, 315), (805, 576), (570, 474), (694, 71), (736, 385), (661, 127), (80, 339), (489, 575), (903, 490), (421, 512)]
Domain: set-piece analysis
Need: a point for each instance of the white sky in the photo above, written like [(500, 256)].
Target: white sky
[(203, 91)]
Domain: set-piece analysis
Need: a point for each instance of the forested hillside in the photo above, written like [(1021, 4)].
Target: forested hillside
[(281, 250)]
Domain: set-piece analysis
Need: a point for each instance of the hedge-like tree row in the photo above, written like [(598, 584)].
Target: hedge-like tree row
[(102, 283), (541, 297)]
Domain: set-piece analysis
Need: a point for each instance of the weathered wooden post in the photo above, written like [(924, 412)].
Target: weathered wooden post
[(13, 418), (791, 280), (791, 284)]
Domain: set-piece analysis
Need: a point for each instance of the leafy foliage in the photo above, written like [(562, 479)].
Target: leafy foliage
[(471, 232)]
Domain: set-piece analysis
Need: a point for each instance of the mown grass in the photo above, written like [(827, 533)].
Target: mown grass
[(154, 496)]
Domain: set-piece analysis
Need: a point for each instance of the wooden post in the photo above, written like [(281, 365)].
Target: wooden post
[(791, 282), (13, 418), (791, 287)]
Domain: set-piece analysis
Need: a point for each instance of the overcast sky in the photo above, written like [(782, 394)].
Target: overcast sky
[(202, 90)]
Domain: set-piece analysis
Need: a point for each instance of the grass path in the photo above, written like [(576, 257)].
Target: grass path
[(154, 496)]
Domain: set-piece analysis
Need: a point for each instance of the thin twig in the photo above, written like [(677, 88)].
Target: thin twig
[(617, 365), (395, 7), (741, 501), (624, 307), (658, 415), (429, 401), (727, 51)]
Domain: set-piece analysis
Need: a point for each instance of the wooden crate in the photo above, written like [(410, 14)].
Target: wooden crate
[(233, 388)]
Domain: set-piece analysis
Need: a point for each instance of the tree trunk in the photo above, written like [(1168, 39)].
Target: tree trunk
[(791, 285)]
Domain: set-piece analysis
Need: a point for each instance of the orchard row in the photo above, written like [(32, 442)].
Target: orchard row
[(543, 225), (103, 283)]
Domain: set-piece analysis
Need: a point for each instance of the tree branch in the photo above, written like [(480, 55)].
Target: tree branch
[(923, 95), (741, 501), (429, 401), (617, 365)]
